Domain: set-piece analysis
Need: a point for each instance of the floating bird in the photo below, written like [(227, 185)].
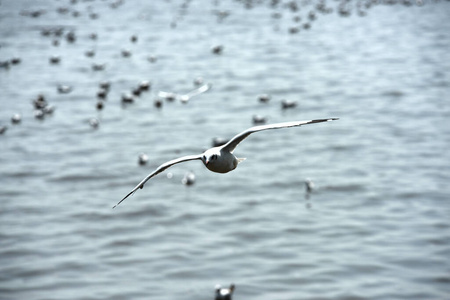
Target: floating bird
[(224, 293), (144, 85), (64, 89), (167, 95), (55, 59), (309, 185), (105, 85), (39, 114), (99, 105), (157, 103), (40, 102), (218, 49), (94, 123), (3, 129), (5, 64), (16, 119), (198, 81), (136, 91), (90, 53), (98, 67), (257, 119), (188, 179), (48, 110), (221, 159), (15, 60), (286, 104), (126, 53), (102, 93), (264, 98), (152, 58), (127, 98), (143, 159)]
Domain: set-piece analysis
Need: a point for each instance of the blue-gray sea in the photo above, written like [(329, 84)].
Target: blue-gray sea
[(376, 224)]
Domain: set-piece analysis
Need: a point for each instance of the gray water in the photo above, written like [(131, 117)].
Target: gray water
[(376, 225)]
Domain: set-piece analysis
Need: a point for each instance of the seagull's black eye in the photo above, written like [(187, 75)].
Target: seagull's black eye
[(214, 156)]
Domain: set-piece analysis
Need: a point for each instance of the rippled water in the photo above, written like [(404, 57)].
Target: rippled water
[(376, 225)]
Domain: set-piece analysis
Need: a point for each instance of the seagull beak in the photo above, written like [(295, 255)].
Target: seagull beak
[(206, 162)]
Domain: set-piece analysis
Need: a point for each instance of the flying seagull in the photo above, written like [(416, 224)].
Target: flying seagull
[(185, 97), (221, 159)]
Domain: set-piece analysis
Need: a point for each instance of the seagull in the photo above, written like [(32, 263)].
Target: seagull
[(204, 88), (186, 97), (188, 179), (224, 293), (221, 159)]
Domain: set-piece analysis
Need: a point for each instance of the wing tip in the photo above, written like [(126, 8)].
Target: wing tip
[(129, 194), (321, 120)]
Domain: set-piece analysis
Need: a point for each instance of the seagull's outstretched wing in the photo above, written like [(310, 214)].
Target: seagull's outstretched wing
[(231, 145), (159, 170), (202, 89)]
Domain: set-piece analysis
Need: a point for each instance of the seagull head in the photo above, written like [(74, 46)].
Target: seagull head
[(210, 157)]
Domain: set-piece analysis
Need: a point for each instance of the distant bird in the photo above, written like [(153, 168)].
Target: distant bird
[(94, 123), (39, 114), (71, 37), (64, 89), (309, 186), (98, 67), (55, 59), (126, 53), (198, 81), (144, 85), (102, 93), (105, 85), (188, 179), (312, 15), (264, 98), (40, 102), (136, 91), (157, 103), (3, 129), (48, 110), (218, 49), (127, 98), (152, 58), (90, 53), (143, 159), (169, 96), (99, 105), (186, 97), (293, 30), (16, 119), (257, 119), (221, 159), (224, 293), (286, 104), (5, 64), (15, 60)]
